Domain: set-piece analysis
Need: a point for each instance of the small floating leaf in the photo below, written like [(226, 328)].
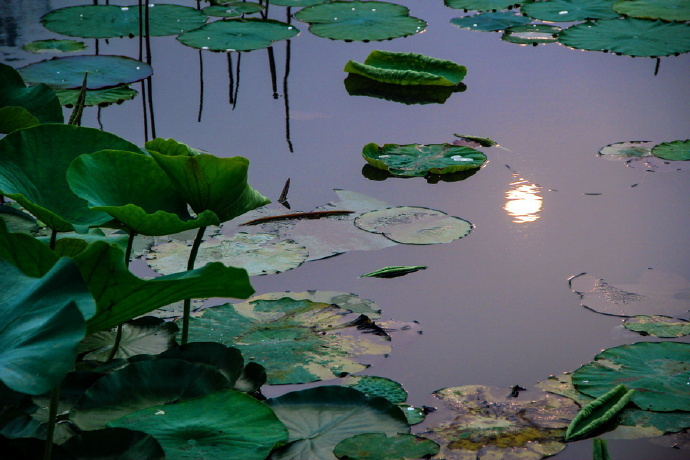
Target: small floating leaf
[(55, 46), (238, 34), (480, 141), (417, 160), (297, 3), (627, 150), (531, 34), (233, 9), (597, 413), (372, 386), (394, 271), (489, 22), (673, 151), (570, 10), (380, 446), (668, 10), (658, 326), (99, 97), (479, 5)]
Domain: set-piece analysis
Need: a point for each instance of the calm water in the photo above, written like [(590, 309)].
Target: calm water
[(495, 307)]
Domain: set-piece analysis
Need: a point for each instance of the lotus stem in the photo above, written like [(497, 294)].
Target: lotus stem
[(188, 302), (53, 239), (118, 334), (52, 419)]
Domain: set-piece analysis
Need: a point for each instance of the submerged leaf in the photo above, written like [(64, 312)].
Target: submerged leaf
[(531, 34), (115, 443), (99, 97), (417, 160), (627, 150), (394, 271), (374, 386), (598, 413)]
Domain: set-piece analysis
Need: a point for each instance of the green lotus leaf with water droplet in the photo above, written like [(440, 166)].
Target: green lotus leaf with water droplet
[(417, 160), (238, 34), (570, 10), (491, 21)]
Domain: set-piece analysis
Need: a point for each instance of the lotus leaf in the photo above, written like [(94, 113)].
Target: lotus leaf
[(16, 221), (600, 450), (412, 225), (360, 21), (115, 443), (570, 10), (658, 326), (668, 10), (474, 141), (135, 191), (479, 5), (233, 9), (487, 423), (143, 384), (394, 272), (596, 414), (416, 160), (104, 71), (379, 446), (408, 69), (356, 85), (225, 424), (54, 46), (42, 321), (238, 34), (319, 418), (99, 97), (33, 168), (499, 20), (374, 386), (626, 150), (297, 341), (563, 385), (107, 21), (297, 3), (629, 36), (176, 310), (659, 371), (344, 300), (673, 151), (531, 34), (414, 415)]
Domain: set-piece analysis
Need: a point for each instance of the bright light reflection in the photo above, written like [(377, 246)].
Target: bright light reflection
[(523, 201)]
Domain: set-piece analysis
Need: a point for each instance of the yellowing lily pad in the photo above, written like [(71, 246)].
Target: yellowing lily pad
[(658, 326), (627, 150)]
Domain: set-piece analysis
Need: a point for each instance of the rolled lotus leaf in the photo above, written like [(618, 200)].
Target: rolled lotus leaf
[(408, 69), (598, 413), (394, 271)]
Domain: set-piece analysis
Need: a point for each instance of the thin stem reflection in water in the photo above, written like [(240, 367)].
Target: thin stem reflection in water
[(523, 201)]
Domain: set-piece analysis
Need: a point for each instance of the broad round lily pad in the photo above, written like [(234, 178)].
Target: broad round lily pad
[(233, 9), (238, 34), (531, 34), (360, 21), (673, 151), (658, 371), (413, 225), (104, 71), (372, 386), (379, 446), (658, 326), (570, 10), (417, 160), (54, 46), (627, 150), (99, 97), (479, 5), (629, 36), (668, 10), (489, 22)]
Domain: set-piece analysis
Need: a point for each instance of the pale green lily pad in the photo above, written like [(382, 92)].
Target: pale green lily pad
[(408, 69), (658, 371), (297, 341), (658, 326), (360, 21), (531, 34), (413, 225), (417, 160), (107, 21), (233, 9), (259, 254), (394, 271), (629, 36), (570, 10), (490, 22), (627, 150), (379, 446), (225, 424), (54, 46), (99, 97), (479, 5), (486, 422), (238, 34), (319, 418), (673, 151), (668, 10), (343, 300), (374, 386), (104, 71)]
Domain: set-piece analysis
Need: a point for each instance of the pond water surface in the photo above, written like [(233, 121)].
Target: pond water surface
[(495, 307)]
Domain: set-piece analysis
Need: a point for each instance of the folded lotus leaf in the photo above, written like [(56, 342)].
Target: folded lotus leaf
[(598, 413), (238, 34), (394, 271), (600, 450), (570, 10), (668, 10)]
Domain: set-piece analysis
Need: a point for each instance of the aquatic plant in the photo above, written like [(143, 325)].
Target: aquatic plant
[(598, 413)]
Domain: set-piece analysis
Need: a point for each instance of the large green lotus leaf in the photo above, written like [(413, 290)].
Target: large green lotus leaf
[(54, 46), (115, 443), (356, 85), (27, 254), (259, 254), (39, 101), (171, 147), (225, 424), (238, 34), (104, 71), (491, 21), (673, 151), (479, 5), (360, 21), (380, 446), (627, 150), (413, 225), (488, 423), (629, 36), (99, 97), (668, 10), (417, 160), (107, 21), (134, 190), (297, 341), (207, 182), (656, 293), (658, 371), (570, 10), (344, 300), (531, 34), (319, 418), (14, 117), (41, 322), (143, 384), (16, 221), (658, 326), (408, 69), (233, 9)]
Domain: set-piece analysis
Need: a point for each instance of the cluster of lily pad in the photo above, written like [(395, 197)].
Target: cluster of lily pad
[(650, 156)]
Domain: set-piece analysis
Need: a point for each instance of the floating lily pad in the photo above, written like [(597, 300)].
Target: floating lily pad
[(297, 341), (238, 34), (360, 21), (658, 326), (531, 34), (474, 141), (99, 97), (673, 151), (233, 9), (107, 21), (104, 71), (394, 271), (417, 160), (629, 36), (562, 384), (297, 3), (627, 150), (379, 446), (668, 10), (479, 5), (356, 85), (412, 225), (54, 46), (408, 69), (658, 371), (570, 10), (596, 414), (343, 300), (319, 418), (374, 386), (490, 22), (225, 424), (486, 422)]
